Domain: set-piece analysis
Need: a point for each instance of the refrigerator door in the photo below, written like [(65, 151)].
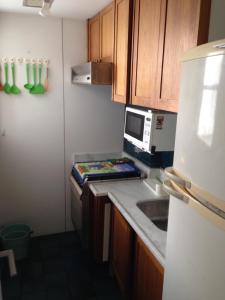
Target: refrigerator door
[(200, 137), (195, 259)]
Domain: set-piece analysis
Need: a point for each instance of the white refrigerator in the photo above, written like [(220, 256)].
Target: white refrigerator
[(195, 257)]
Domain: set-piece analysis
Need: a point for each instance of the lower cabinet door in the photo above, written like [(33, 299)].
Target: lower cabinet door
[(122, 251), (96, 226), (148, 274)]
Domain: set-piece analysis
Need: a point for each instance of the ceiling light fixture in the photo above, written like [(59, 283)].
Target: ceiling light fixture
[(45, 9)]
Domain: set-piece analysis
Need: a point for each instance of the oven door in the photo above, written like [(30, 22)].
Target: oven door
[(76, 206)]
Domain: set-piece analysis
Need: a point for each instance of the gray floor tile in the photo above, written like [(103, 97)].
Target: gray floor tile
[(58, 268)]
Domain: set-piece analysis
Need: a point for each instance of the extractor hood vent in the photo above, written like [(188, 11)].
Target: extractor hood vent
[(33, 3), (92, 73)]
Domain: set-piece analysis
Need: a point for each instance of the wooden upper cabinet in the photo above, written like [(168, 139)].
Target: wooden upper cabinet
[(163, 31), (148, 34), (122, 251), (94, 38), (187, 25), (101, 34), (122, 50), (148, 274), (107, 33)]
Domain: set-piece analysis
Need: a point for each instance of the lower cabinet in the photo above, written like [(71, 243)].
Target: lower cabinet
[(138, 273), (99, 236), (122, 240), (96, 226), (148, 274)]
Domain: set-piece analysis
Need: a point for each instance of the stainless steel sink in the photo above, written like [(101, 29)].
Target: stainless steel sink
[(156, 211)]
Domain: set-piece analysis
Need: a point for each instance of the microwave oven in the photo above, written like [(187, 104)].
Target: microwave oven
[(149, 130)]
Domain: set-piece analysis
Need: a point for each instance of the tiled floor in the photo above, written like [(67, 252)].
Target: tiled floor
[(59, 269)]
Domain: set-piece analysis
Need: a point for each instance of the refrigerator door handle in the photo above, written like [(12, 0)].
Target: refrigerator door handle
[(168, 188), (212, 215), (172, 174)]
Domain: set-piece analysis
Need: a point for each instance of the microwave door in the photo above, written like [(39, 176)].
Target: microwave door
[(135, 125), (134, 128)]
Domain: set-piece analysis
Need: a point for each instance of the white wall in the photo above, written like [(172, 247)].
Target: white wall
[(31, 153), (32, 182), (217, 20), (93, 122)]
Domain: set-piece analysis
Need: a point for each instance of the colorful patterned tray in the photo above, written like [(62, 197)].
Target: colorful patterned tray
[(101, 170)]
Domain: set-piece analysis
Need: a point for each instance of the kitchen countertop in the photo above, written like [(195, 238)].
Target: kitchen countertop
[(125, 195)]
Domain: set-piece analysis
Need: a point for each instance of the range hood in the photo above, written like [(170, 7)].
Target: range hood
[(92, 73)]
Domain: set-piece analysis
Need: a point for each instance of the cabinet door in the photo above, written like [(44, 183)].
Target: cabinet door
[(148, 274), (187, 26), (122, 245), (149, 23), (106, 33), (94, 39), (96, 223), (122, 50)]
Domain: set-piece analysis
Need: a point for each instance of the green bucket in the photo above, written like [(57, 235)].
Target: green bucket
[(17, 238)]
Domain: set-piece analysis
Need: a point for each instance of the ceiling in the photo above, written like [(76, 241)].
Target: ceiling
[(78, 9)]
